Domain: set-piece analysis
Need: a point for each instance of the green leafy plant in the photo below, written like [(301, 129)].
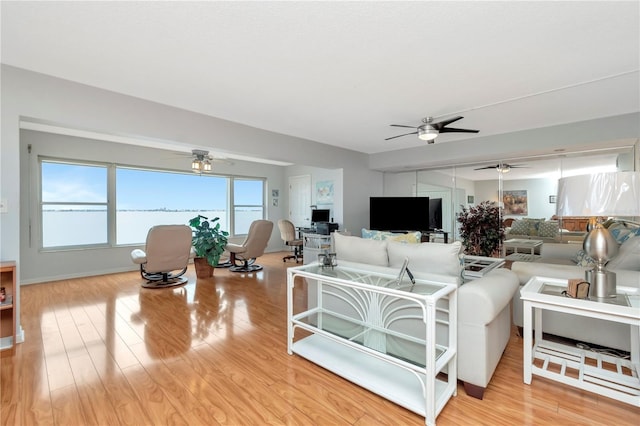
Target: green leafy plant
[(481, 229), (208, 239)]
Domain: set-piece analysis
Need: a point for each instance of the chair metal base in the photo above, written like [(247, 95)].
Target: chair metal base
[(162, 279), (238, 264), (246, 268), (164, 284)]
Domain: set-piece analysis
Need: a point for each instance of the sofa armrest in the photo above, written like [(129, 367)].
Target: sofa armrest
[(481, 300), (526, 270)]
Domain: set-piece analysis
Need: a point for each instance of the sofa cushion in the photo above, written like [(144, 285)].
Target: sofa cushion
[(362, 250), (435, 258), (628, 256)]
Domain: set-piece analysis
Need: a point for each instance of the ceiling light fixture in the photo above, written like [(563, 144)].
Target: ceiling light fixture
[(427, 133), (503, 168), (201, 162)]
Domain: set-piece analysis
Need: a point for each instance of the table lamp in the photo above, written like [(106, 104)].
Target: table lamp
[(596, 196)]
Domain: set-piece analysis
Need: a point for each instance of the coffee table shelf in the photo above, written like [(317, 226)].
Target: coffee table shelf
[(478, 266), (378, 331)]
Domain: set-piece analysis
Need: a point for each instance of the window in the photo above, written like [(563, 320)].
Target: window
[(107, 205), (74, 204), (248, 203), (145, 198)]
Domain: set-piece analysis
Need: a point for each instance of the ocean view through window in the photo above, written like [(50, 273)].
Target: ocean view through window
[(76, 211)]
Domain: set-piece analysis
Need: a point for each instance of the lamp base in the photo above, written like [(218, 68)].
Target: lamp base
[(603, 284)]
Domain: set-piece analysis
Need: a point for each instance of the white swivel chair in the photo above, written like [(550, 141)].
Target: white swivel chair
[(165, 257), (243, 256)]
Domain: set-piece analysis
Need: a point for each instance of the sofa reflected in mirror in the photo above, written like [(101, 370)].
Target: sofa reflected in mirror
[(547, 231)]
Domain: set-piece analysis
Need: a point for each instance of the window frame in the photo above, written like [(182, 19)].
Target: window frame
[(111, 206), (42, 203), (233, 205)]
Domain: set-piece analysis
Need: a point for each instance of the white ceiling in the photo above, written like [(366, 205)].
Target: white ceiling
[(340, 72)]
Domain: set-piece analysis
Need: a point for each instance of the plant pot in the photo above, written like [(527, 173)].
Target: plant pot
[(203, 269)]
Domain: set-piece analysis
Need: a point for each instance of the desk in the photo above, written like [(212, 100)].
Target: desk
[(603, 374), (313, 245)]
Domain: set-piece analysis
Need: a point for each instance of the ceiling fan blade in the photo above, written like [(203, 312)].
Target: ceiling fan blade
[(440, 124), (401, 125), (486, 168), (454, 130), (399, 136)]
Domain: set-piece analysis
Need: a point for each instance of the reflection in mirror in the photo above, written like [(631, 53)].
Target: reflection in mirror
[(527, 185)]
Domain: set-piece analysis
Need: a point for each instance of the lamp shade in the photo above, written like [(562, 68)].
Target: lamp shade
[(599, 194)]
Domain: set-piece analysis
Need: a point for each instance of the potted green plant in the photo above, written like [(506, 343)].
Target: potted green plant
[(208, 242), (481, 229)]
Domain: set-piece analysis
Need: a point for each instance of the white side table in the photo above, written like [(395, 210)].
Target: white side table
[(605, 375)]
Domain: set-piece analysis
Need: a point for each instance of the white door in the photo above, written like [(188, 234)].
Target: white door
[(300, 200)]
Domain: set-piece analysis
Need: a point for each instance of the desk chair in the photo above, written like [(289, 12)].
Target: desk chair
[(288, 235), (165, 257), (252, 247)]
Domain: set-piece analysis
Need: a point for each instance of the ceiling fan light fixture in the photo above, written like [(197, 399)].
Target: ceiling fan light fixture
[(503, 169), (427, 133)]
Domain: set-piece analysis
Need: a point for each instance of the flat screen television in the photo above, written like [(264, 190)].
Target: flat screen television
[(320, 215), (435, 213), (399, 213)]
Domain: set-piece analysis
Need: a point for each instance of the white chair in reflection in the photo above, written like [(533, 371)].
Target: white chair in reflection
[(165, 257)]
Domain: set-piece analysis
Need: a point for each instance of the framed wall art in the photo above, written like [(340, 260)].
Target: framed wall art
[(515, 202)]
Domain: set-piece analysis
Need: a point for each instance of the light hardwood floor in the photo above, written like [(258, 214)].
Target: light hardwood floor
[(104, 351)]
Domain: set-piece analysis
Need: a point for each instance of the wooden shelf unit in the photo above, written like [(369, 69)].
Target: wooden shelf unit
[(7, 306)]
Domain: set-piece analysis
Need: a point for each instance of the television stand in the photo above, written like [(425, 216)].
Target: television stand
[(434, 236)]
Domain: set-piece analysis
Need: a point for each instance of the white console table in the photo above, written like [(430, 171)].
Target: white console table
[(606, 375), (378, 331)]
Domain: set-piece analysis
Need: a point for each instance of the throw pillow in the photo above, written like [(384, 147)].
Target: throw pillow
[(548, 228), (520, 227), (408, 238), (583, 259), (361, 250), (622, 233), (371, 234)]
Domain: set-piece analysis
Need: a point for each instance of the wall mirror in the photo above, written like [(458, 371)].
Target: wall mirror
[(529, 184)]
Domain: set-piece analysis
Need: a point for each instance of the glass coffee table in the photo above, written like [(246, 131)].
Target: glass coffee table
[(378, 330)]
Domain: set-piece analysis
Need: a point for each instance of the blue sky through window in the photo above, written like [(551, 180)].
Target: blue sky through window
[(149, 190)]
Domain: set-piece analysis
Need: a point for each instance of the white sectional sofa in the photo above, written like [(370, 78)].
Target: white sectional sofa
[(561, 261), (484, 320)]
